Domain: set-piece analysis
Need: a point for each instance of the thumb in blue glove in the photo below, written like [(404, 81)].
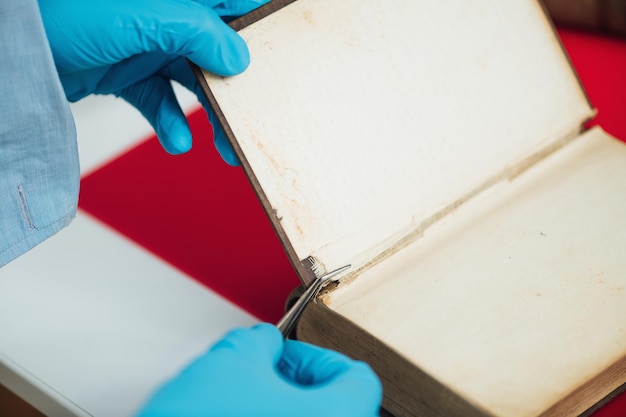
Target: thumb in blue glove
[(133, 49), (254, 372)]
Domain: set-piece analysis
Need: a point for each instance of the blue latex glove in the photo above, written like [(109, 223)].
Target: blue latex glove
[(255, 373), (133, 48)]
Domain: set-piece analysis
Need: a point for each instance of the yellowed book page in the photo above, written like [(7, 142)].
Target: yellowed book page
[(519, 297), (360, 119)]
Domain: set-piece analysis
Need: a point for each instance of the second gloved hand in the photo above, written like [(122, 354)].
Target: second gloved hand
[(134, 48), (254, 372)]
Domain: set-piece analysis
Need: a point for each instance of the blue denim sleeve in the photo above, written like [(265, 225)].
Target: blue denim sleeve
[(39, 172)]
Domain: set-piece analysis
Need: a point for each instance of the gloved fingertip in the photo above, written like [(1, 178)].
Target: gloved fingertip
[(217, 48), (266, 328), (176, 145), (262, 342), (172, 129), (252, 337), (236, 8), (270, 336), (175, 140), (224, 147), (235, 59), (230, 158)]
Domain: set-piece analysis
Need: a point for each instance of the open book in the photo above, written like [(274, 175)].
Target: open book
[(438, 148)]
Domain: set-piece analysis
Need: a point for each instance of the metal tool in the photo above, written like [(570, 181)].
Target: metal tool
[(287, 323)]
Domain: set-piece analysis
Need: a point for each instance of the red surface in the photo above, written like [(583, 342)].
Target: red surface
[(600, 62), (202, 216), (198, 214)]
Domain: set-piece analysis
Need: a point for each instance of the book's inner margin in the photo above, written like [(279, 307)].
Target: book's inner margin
[(404, 238)]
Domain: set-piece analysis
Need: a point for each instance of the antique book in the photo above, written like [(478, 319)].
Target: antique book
[(439, 149)]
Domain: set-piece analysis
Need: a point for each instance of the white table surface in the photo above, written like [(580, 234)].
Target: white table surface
[(79, 334)]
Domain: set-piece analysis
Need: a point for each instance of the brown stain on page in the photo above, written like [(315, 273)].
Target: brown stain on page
[(308, 17)]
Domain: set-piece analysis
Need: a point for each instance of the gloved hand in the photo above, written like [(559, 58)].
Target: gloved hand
[(254, 372), (134, 48)]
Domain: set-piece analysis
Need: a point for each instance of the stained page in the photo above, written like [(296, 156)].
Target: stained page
[(519, 298), (363, 120)]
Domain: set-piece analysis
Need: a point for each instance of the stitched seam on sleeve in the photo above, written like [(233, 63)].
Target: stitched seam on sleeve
[(24, 210)]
